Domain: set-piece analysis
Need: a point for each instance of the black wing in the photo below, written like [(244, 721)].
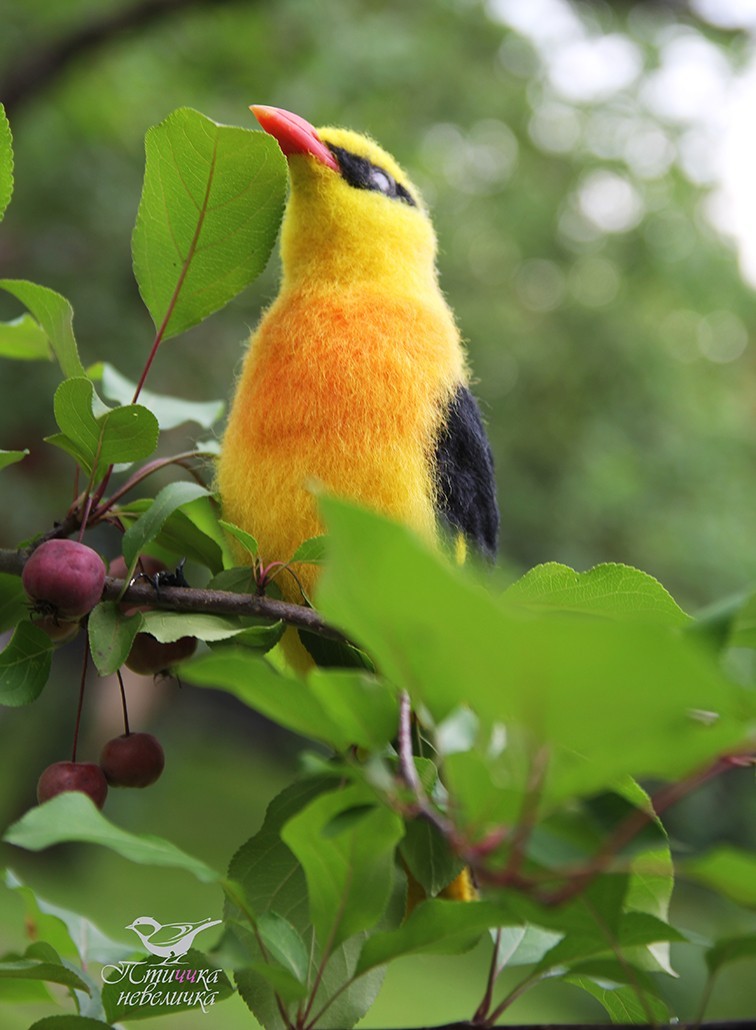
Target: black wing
[(465, 484)]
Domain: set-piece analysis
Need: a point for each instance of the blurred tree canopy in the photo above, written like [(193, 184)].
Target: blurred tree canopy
[(607, 320)]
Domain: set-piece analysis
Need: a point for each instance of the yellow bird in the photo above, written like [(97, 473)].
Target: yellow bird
[(356, 376)]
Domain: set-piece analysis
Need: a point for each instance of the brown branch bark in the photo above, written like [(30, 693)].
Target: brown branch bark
[(189, 599), (36, 71)]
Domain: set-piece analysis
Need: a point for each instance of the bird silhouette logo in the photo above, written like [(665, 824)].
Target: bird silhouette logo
[(168, 941)]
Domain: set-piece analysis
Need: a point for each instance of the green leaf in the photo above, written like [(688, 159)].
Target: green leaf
[(211, 206), (286, 700), (312, 551), (33, 969), (6, 162), (71, 934), (247, 541), (181, 535), (270, 876), (170, 626), (610, 589), (55, 315), (623, 1002), (604, 698), (731, 949), (111, 634), (74, 817), (727, 870), (148, 526), (23, 339), (143, 990), (24, 665), (169, 411), (283, 982), (237, 580), (114, 435), (340, 708), (634, 929), (11, 457), (349, 874), (284, 943), (435, 927), (334, 654), (14, 604), (429, 857)]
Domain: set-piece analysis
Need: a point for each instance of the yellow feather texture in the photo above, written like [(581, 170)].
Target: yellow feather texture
[(350, 370)]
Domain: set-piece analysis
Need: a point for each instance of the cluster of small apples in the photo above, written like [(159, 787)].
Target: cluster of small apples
[(65, 580)]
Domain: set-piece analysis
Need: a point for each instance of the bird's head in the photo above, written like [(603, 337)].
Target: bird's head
[(143, 923), (352, 214)]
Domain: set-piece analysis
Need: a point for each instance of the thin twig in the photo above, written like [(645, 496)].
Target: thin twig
[(80, 706), (409, 774), (126, 729)]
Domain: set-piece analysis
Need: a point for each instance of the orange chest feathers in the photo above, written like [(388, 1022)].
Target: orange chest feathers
[(347, 391)]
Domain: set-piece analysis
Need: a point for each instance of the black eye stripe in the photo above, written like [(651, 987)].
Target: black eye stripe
[(363, 175)]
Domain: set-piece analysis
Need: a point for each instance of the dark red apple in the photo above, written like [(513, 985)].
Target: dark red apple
[(132, 760), (66, 576), (85, 777), (149, 657)]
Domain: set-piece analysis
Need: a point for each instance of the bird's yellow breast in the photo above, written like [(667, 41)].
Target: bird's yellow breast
[(345, 388)]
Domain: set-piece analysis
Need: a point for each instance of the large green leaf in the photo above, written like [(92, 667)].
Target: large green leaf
[(606, 698), (609, 589), (149, 525), (72, 935), (55, 315), (340, 708), (349, 865), (74, 817), (6, 162), (188, 532), (273, 880), (435, 927), (110, 436), (24, 665), (211, 205), (35, 969)]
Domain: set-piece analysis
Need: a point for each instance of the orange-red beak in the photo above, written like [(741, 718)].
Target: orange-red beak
[(294, 134)]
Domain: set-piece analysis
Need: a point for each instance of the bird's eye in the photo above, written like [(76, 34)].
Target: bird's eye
[(382, 182), (363, 175)]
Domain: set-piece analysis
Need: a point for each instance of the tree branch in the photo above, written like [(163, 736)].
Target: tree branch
[(189, 599), (35, 71)]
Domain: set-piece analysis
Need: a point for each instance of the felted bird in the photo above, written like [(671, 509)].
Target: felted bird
[(356, 376), (168, 940)]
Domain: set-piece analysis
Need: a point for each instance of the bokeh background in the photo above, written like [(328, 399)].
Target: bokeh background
[(591, 171)]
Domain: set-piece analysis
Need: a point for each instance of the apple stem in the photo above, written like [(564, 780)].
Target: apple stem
[(123, 702), (81, 702)]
